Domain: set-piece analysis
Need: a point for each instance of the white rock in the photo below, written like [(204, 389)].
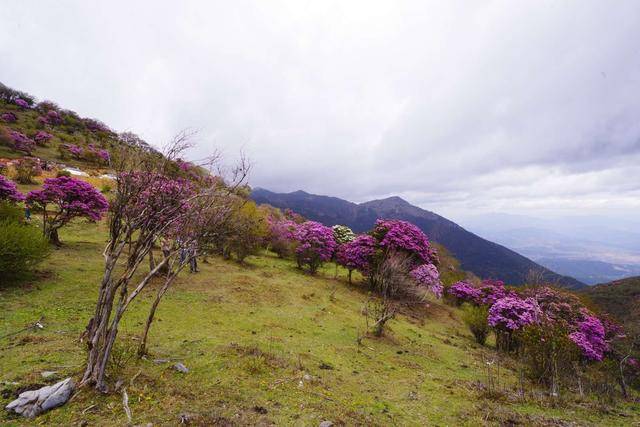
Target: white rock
[(34, 402)]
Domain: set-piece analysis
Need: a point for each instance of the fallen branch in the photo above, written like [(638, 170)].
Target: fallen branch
[(35, 325)]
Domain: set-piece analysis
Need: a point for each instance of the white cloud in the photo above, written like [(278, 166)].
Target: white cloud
[(458, 106)]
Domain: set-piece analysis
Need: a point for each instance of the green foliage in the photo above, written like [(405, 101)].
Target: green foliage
[(22, 247), (26, 170), (247, 231), (475, 317), (10, 212)]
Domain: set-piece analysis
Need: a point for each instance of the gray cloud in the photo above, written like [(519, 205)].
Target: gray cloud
[(457, 106)]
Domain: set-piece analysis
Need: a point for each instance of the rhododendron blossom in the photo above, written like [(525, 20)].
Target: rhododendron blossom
[(315, 244), (397, 235), (21, 142), (9, 191), (513, 313), (65, 198), (282, 235), (427, 275), (21, 103), (9, 117), (490, 291), (357, 254), (464, 292), (42, 137), (590, 338)]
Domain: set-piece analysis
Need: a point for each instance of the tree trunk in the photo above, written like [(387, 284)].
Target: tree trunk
[(142, 349), (52, 235), (152, 262)]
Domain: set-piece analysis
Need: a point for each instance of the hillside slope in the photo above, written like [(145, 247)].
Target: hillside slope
[(265, 345), (482, 257), (620, 298)]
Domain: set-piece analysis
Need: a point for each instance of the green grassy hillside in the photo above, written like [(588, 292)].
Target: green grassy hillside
[(620, 298), (265, 344)]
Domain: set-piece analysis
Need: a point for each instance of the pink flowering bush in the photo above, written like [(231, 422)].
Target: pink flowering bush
[(282, 234), (315, 245), (9, 191), (95, 125), (357, 254), (64, 198), (464, 292), (397, 235), (490, 291), (53, 118), (590, 338), (21, 103), (23, 143), (41, 137), (427, 275), (513, 313), (9, 117)]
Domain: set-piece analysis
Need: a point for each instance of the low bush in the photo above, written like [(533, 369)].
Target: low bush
[(22, 247), (475, 317)]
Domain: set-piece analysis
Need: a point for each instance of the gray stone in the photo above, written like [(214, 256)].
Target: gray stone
[(34, 402), (326, 424), (180, 368)]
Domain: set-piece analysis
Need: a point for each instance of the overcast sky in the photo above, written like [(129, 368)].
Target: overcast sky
[(459, 107)]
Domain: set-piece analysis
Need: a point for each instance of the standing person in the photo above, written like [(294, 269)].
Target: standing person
[(27, 212), (193, 258)]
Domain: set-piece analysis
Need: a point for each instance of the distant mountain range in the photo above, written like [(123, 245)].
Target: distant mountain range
[(482, 257), (590, 248)]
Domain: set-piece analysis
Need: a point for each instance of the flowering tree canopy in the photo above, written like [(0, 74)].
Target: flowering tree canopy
[(42, 137), (315, 244), (397, 235), (427, 275), (357, 254), (9, 117), (590, 338), (490, 291), (464, 292), (21, 103), (71, 198), (282, 235), (9, 191), (21, 142), (512, 313)]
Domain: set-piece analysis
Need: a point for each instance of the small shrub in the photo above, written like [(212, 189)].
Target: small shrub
[(22, 247), (26, 170), (475, 317), (62, 172)]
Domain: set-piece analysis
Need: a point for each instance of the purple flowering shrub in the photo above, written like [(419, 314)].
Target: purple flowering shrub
[(281, 236), (315, 245), (23, 143), (41, 137), (427, 276), (513, 313), (9, 117), (95, 125), (64, 198), (357, 254), (21, 103), (464, 292), (26, 169), (9, 191), (402, 236), (590, 338)]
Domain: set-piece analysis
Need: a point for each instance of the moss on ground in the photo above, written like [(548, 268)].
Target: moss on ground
[(265, 344)]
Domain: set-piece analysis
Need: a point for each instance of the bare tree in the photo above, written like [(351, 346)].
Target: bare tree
[(147, 205)]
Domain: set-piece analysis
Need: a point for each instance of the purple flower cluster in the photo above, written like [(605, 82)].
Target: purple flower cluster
[(8, 117), (21, 142), (490, 291), (72, 197), (42, 137), (315, 244), (95, 125), (75, 150), (393, 234), (590, 338), (464, 292), (357, 254), (282, 235), (512, 313), (51, 118), (9, 191), (21, 103), (427, 275)]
